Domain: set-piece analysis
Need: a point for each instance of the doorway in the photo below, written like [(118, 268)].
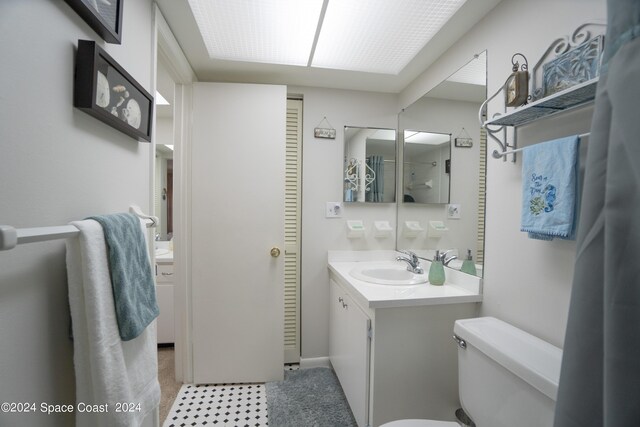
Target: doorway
[(173, 80)]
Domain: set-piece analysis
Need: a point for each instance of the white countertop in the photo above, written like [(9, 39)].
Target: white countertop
[(164, 256), (458, 287)]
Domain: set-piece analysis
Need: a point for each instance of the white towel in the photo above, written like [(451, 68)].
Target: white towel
[(109, 371)]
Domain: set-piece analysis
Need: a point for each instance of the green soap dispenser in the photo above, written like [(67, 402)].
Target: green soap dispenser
[(468, 266), (436, 271)]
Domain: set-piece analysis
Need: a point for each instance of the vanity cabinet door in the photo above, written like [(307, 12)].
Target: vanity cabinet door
[(164, 295), (165, 325), (349, 350)]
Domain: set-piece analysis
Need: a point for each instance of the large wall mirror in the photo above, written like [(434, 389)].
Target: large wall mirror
[(443, 151), (369, 165), (164, 152)]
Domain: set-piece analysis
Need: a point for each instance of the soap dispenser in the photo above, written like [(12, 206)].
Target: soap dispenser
[(468, 266), (436, 271)]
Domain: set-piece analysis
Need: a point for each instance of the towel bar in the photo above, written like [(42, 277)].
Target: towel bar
[(497, 154), (10, 237)]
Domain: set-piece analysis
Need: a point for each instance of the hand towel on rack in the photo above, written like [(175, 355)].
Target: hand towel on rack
[(131, 277), (549, 189), (108, 370)]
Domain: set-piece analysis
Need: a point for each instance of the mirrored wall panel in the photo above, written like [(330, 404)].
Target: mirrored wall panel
[(369, 165), (164, 152), (426, 160), (442, 170)]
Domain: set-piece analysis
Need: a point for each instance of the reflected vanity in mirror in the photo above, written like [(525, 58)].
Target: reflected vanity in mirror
[(425, 175), (442, 202), (369, 167)]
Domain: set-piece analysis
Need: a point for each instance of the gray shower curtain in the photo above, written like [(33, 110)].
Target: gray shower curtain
[(600, 376)]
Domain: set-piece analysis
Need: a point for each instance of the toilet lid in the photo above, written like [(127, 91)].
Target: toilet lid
[(420, 423)]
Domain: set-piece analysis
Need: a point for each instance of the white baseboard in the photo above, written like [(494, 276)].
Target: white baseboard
[(315, 362)]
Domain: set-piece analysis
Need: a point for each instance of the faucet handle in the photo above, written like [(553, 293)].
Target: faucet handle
[(413, 256), (443, 254)]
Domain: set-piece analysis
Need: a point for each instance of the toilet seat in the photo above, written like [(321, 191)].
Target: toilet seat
[(420, 423)]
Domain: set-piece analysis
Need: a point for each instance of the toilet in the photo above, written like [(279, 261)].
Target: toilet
[(507, 377)]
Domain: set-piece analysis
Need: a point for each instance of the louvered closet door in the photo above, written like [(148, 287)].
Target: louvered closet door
[(292, 232)]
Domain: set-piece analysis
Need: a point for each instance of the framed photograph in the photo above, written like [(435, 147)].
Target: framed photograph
[(104, 16), (464, 142), (103, 89)]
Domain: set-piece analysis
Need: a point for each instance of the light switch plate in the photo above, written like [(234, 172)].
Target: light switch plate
[(453, 211), (333, 210)]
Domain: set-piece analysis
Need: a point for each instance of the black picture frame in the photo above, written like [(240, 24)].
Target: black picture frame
[(104, 16), (104, 90)]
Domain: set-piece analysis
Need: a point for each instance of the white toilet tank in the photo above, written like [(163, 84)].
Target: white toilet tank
[(507, 377)]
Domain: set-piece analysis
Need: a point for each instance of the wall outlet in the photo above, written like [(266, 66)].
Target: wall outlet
[(453, 211), (333, 210)]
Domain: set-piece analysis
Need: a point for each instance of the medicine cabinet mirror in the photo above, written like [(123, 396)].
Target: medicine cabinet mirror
[(369, 165), (442, 172)]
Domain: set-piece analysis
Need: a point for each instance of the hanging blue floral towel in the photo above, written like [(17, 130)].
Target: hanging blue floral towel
[(549, 189)]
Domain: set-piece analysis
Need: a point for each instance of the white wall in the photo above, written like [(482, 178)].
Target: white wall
[(164, 130), (57, 164), (526, 282), (322, 182)]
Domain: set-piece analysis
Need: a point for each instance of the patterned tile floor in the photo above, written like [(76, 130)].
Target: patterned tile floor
[(226, 405)]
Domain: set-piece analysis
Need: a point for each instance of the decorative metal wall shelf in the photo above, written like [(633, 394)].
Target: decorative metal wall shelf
[(574, 61), (352, 177), (567, 99)]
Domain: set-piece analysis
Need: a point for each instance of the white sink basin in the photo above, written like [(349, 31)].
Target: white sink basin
[(386, 273)]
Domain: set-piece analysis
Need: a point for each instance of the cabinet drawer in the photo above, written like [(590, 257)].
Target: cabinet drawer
[(164, 273)]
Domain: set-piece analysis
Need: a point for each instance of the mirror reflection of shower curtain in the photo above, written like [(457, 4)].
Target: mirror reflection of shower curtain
[(376, 192)]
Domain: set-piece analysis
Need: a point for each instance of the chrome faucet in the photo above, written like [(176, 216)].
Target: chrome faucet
[(445, 260), (412, 261)]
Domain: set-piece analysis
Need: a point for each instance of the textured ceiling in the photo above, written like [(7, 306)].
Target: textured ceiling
[(183, 25)]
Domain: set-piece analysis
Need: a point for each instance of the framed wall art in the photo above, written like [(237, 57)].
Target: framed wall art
[(104, 16), (463, 139), (464, 142), (103, 89)]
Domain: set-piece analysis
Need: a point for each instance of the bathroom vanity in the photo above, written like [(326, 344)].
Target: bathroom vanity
[(391, 345), (164, 293)]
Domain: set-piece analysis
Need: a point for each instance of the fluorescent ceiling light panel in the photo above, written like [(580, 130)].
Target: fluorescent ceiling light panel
[(474, 72), (426, 138), (379, 36), (161, 100), (268, 31), (384, 134)]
